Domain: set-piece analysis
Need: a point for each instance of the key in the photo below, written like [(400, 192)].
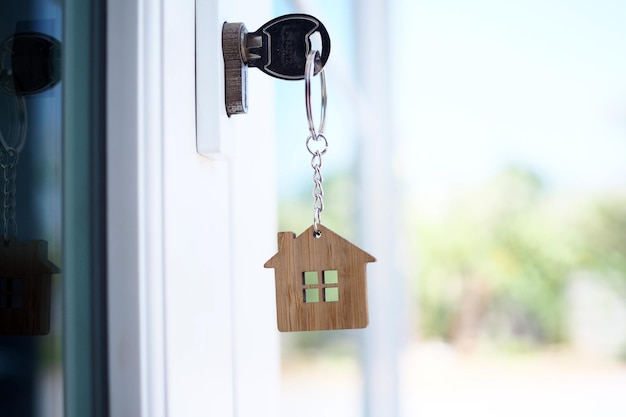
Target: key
[(280, 47)]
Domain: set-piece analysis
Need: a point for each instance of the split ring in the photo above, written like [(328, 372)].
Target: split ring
[(322, 150), (313, 61)]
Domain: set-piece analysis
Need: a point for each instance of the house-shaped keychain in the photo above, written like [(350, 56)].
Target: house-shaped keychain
[(320, 282), (25, 287)]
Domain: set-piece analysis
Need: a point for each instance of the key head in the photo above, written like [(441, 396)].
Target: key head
[(280, 47)]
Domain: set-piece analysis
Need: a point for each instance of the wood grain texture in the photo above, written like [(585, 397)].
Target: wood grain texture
[(329, 252), (25, 285)]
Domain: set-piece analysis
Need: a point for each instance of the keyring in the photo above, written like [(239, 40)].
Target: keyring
[(317, 152), (20, 106), (309, 71)]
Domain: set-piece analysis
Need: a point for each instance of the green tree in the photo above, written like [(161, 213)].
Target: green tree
[(493, 264)]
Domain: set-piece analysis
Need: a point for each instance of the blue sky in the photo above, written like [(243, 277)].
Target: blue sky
[(537, 83), (481, 85)]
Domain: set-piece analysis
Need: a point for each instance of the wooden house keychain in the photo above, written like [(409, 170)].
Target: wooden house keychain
[(25, 271), (320, 276)]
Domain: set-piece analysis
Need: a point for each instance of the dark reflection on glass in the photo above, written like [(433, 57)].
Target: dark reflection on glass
[(30, 107), (30, 63)]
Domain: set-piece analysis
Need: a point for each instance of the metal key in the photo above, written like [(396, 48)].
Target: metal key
[(278, 48)]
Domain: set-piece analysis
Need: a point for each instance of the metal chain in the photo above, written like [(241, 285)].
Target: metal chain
[(10, 149), (318, 190), (317, 148), (318, 179), (8, 162), (319, 144)]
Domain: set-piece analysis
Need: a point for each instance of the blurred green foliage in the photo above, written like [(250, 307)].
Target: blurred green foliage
[(495, 260), (492, 263), (340, 207)]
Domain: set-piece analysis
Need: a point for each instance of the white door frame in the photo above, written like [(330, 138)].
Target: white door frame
[(191, 309)]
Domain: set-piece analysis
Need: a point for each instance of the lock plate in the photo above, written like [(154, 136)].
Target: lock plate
[(235, 70)]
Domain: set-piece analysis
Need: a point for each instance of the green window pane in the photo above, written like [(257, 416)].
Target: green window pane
[(331, 277), (310, 278), (331, 294), (311, 295)]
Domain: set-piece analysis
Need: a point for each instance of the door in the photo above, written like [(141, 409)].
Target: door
[(190, 308)]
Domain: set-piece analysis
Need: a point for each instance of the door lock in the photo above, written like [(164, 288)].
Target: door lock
[(278, 48)]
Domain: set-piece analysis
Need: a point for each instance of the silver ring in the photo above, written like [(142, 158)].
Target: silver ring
[(20, 136), (319, 151), (309, 71)]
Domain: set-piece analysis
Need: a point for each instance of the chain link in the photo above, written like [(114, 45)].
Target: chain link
[(318, 179), (10, 148), (318, 191), (8, 162), (316, 143)]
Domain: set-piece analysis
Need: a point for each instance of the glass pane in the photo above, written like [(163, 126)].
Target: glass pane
[(30, 199)]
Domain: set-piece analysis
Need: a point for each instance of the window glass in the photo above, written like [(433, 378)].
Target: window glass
[(30, 201)]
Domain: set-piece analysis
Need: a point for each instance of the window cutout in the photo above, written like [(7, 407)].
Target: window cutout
[(331, 277), (16, 301), (331, 294), (311, 295), (310, 278), (11, 292), (5, 295)]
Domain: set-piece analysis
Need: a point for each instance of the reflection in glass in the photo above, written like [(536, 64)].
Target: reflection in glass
[(30, 206)]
